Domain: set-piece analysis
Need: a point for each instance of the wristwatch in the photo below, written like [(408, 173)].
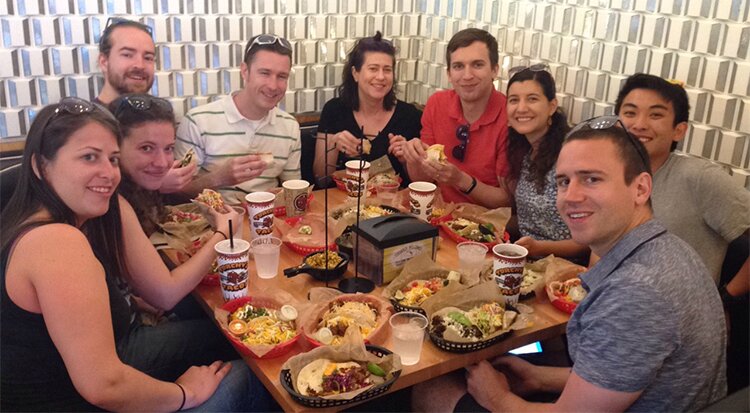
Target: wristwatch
[(471, 187)]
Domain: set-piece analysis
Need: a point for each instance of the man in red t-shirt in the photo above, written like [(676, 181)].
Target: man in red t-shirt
[(470, 121)]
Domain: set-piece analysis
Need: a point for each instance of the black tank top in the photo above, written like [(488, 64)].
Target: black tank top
[(33, 376)]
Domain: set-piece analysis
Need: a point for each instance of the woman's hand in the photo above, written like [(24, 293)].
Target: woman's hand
[(177, 177), (530, 244), (200, 382), (414, 151), (347, 143), (396, 146)]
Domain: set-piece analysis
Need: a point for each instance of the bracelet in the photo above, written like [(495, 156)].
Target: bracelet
[(184, 397), (471, 187), (222, 234)]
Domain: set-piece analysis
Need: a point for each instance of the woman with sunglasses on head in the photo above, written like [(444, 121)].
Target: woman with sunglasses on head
[(68, 241), (366, 114), (536, 130)]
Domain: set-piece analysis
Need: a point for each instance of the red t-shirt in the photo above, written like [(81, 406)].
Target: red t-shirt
[(486, 152)]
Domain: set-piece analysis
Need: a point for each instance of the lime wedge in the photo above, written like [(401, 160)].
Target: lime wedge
[(375, 369)]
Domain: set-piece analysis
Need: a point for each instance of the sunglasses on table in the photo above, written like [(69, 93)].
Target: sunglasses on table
[(608, 122), (140, 104), (539, 67), (462, 134), (267, 40)]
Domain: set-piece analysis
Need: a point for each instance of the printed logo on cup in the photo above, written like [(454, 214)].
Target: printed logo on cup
[(260, 213), (232, 268), (421, 197), (356, 183), (508, 263), (296, 192)]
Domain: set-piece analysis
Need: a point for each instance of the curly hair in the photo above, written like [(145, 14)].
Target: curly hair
[(549, 148), (348, 91)]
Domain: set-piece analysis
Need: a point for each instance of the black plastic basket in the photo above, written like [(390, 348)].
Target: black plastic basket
[(401, 308), (286, 382), (456, 347)]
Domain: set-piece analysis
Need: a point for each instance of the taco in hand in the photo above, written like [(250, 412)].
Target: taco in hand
[(212, 199), (436, 153)]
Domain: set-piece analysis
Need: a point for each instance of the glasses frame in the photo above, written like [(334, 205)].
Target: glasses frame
[(609, 122), (118, 21), (267, 40), (462, 134), (538, 67), (141, 103)]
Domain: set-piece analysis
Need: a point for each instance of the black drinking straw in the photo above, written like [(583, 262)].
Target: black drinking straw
[(231, 236)]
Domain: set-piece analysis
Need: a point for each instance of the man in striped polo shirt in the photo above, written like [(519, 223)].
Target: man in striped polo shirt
[(231, 135)]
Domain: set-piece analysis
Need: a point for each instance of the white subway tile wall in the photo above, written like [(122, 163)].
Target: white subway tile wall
[(50, 51)]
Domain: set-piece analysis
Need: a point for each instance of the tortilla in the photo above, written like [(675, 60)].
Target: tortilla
[(187, 158), (310, 377), (436, 153)]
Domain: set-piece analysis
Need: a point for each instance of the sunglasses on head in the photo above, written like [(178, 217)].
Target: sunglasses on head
[(539, 67), (462, 134), (267, 40), (607, 122), (141, 103), (117, 21), (74, 106)]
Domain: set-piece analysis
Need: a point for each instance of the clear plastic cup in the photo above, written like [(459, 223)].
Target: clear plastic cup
[(471, 255), (407, 335), (266, 251)]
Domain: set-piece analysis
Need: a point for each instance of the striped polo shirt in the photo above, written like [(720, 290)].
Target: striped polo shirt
[(217, 131)]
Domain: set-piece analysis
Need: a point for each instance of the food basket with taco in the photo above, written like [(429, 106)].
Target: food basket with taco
[(471, 319), (259, 327), (336, 376), (470, 222), (562, 284), (331, 315), (533, 277), (423, 279)]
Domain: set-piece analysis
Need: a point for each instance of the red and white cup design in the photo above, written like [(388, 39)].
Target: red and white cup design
[(421, 196), (356, 181), (296, 192), (260, 213), (232, 268), (508, 263)]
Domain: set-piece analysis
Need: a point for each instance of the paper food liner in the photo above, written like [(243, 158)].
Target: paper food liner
[(183, 237), (468, 298), (440, 208), (498, 217), (560, 269), (289, 230), (422, 267), (343, 220), (537, 269), (320, 298), (268, 299), (352, 348)]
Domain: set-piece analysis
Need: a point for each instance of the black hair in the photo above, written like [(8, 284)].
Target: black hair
[(669, 91), (348, 91), (466, 37), (549, 147), (105, 41), (49, 132)]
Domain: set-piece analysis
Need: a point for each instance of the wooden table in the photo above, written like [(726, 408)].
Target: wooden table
[(549, 322)]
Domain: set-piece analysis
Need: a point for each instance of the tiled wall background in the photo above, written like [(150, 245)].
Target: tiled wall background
[(50, 50)]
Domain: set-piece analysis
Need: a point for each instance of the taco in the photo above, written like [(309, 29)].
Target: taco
[(187, 158), (416, 291), (341, 314), (479, 323), (436, 153), (212, 199), (323, 377)]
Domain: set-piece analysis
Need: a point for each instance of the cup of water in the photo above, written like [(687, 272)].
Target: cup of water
[(407, 334), (266, 252)]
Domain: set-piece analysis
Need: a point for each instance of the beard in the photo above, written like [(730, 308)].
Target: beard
[(120, 84)]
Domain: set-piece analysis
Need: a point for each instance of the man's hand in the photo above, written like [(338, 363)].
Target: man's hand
[(177, 177), (530, 244), (396, 146), (414, 151), (444, 173), (520, 374), (487, 385), (239, 169)]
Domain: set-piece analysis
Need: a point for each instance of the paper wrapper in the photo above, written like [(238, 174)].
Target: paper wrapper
[(351, 349), (560, 269), (320, 298), (498, 217), (267, 300), (536, 269), (422, 267), (289, 230), (469, 298), (183, 237)]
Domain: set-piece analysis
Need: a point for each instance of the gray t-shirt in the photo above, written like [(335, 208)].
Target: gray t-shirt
[(700, 203), (653, 322)]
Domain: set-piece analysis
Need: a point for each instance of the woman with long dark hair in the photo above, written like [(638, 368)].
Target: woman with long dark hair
[(67, 243), (366, 110)]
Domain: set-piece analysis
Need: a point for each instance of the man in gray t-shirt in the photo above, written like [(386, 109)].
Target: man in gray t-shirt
[(650, 334)]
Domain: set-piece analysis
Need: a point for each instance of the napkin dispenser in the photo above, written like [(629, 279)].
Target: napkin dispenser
[(386, 243)]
